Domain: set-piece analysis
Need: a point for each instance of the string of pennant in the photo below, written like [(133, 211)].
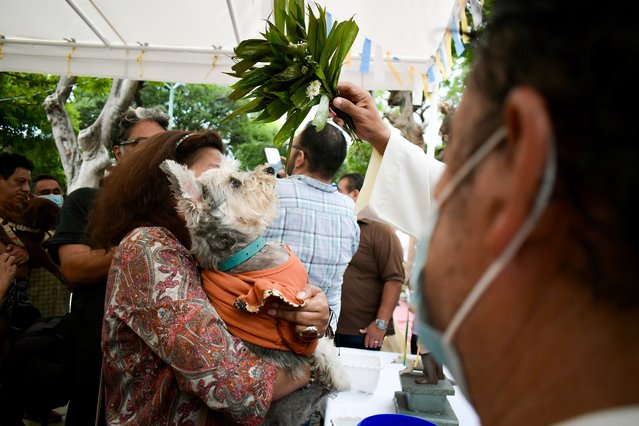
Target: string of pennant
[(440, 68)]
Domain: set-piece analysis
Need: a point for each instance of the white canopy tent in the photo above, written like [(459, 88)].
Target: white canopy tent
[(192, 41)]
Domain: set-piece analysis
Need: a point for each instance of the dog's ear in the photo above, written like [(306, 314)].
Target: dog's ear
[(42, 214), (184, 185)]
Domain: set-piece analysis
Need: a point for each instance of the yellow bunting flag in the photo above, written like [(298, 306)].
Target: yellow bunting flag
[(389, 62), (464, 21), (411, 75), (139, 61), (69, 58), (425, 85), (448, 40), (213, 63), (440, 65)]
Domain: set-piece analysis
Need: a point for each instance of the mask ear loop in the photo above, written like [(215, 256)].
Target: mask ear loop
[(477, 157), (515, 244), (436, 204)]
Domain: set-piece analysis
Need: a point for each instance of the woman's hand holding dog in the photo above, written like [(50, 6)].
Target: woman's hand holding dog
[(314, 314), (20, 254)]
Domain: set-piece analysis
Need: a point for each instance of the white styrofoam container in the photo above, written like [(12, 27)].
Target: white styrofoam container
[(363, 371), (346, 421)]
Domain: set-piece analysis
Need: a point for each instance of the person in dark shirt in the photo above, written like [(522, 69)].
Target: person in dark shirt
[(372, 281)]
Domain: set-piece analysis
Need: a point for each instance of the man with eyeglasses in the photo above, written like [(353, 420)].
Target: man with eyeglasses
[(135, 126), (85, 270)]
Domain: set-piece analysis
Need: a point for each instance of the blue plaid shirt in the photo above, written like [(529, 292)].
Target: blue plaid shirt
[(320, 226)]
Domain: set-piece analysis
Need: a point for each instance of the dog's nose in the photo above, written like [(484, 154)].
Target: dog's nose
[(269, 170)]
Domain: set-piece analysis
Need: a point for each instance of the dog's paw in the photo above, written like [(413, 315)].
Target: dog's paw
[(398, 359), (328, 367)]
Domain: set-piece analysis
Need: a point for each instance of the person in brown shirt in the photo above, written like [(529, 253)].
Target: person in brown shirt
[(372, 281)]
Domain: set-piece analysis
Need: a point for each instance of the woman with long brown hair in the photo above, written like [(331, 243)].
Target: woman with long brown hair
[(168, 357)]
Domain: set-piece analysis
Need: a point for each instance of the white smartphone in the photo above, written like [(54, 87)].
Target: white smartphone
[(273, 158)]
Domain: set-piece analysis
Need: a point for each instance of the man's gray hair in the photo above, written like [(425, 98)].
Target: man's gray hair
[(133, 116)]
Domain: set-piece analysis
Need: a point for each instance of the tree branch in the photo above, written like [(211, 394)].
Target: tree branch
[(95, 140), (62, 127), (405, 121)]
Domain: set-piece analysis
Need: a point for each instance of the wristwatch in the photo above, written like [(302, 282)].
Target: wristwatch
[(381, 324)]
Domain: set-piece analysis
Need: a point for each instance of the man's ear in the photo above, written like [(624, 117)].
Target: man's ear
[(300, 159), (117, 153), (530, 135)]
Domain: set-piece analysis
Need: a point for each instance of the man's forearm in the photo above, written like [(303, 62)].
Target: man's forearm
[(82, 266), (390, 297)]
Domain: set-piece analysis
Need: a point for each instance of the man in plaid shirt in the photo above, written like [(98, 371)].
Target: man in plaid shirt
[(314, 219)]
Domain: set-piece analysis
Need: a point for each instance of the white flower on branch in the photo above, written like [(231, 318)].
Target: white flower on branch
[(313, 89)]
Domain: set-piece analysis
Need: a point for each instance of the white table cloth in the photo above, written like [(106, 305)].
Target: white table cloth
[(359, 405)]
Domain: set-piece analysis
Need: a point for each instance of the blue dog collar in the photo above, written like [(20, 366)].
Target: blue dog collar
[(243, 255)]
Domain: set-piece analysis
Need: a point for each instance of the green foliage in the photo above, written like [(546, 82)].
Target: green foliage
[(251, 155), (24, 128), (199, 106), (357, 158), (300, 67), (454, 86), (87, 100)]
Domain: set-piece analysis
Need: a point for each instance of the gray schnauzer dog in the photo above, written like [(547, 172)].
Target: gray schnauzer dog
[(227, 210)]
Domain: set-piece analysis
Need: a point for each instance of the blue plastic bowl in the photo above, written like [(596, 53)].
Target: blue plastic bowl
[(394, 419)]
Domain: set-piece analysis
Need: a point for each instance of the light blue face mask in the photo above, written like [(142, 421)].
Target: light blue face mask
[(441, 344), (56, 198)]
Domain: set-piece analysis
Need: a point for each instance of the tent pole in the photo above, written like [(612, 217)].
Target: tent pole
[(88, 22), (108, 22), (234, 21)]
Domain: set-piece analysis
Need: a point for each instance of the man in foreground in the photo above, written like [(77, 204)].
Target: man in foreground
[(528, 265)]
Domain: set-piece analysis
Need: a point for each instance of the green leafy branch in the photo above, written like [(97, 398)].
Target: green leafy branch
[(293, 68)]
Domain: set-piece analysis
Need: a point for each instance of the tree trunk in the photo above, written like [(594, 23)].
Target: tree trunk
[(62, 128), (405, 121), (84, 162), (95, 140)]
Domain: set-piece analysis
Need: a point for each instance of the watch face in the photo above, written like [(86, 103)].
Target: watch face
[(381, 324)]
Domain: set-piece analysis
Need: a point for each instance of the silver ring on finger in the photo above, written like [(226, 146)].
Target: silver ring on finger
[(309, 334)]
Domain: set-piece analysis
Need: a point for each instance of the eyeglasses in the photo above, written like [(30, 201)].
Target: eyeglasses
[(133, 141)]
